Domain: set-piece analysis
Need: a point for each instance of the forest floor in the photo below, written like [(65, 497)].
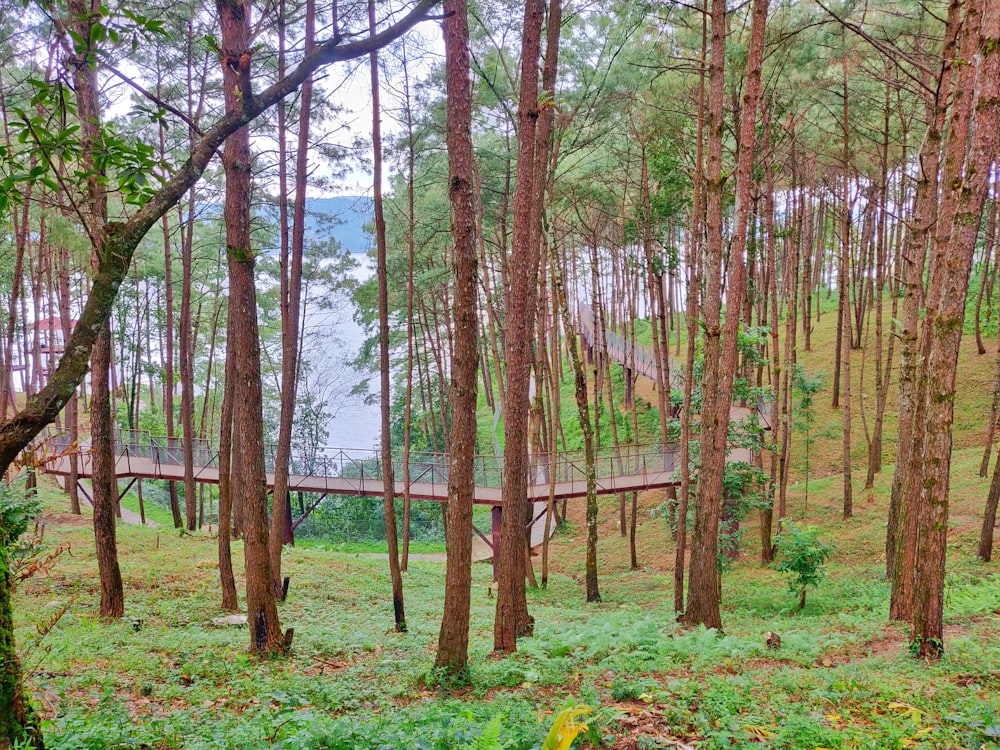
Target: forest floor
[(166, 677)]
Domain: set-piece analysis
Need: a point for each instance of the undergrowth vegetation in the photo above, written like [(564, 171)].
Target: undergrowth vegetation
[(166, 677)]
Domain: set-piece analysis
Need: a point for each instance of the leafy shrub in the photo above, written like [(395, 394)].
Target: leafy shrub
[(803, 556)]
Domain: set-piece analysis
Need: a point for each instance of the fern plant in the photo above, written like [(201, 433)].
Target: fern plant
[(490, 738)]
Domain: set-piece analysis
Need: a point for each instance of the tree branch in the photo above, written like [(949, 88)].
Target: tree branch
[(155, 99), (122, 239), (892, 52)]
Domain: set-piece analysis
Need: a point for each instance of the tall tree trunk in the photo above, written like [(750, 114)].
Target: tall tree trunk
[(168, 353), (721, 344), (767, 514), (586, 427), (248, 425), (73, 407), (990, 517), (901, 534), (18, 721), (388, 474), (512, 618), (227, 580), (453, 639), (291, 304), (970, 149), (104, 481), (411, 220), (844, 284), (692, 319)]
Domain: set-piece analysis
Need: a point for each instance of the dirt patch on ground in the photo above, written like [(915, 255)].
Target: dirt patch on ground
[(53, 518), (640, 723), (430, 556)]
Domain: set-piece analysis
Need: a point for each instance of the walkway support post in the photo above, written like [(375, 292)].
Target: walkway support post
[(497, 513)]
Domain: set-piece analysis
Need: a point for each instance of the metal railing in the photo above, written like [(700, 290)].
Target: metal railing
[(424, 468), (641, 358)]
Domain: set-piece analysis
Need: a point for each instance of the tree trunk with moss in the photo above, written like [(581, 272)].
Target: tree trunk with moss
[(18, 721), (704, 584), (453, 639), (970, 149)]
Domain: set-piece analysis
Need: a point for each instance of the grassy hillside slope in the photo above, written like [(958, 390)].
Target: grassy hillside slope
[(842, 678)]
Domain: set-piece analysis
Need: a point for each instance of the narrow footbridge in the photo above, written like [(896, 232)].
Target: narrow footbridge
[(329, 471), (634, 357)]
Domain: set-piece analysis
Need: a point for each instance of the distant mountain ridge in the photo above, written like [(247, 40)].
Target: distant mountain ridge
[(343, 217)]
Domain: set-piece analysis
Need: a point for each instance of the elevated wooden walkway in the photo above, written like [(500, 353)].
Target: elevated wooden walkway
[(359, 473), (327, 471)]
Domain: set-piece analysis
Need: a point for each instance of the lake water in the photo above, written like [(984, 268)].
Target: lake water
[(354, 422)]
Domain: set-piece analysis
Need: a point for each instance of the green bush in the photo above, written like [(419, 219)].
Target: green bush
[(803, 556)]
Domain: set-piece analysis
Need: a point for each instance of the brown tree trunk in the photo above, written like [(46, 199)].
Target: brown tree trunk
[(388, 474), (991, 425), (721, 344), (901, 533), (227, 580), (168, 352), (186, 347), (411, 220), (18, 720), (453, 639), (691, 319), (104, 481), (586, 428), (248, 425), (970, 149), (844, 284), (291, 303), (767, 514), (990, 517), (73, 407), (512, 618)]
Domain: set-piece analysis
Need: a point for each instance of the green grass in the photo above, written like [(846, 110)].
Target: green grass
[(166, 677), (843, 678), (158, 514), (376, 547)]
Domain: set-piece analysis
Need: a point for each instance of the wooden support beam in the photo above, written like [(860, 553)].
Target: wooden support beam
[(537, 518), (489, 542), (309, 510), (127, 488), (79, 486)]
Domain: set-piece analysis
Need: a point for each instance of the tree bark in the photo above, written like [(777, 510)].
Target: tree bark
[(901, 532), (18, 721), (291, 305), (388, 474), (721, 343), (453, 639), (970, 150), (844, 285), (248, 423), (512, 618), (104, 480), (226, 578), (692, 318), (990, 517)]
